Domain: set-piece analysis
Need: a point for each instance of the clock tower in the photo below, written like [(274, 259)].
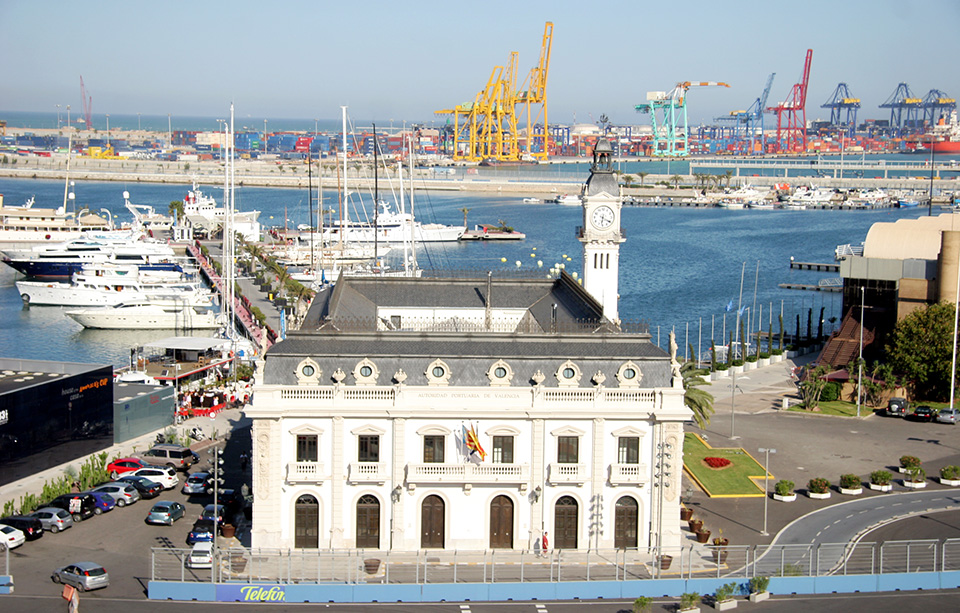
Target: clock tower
[(600, 233)]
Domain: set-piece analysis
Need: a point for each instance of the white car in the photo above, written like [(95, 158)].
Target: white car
[(201, 556), (164, 475), (10, 537), (123, 493)]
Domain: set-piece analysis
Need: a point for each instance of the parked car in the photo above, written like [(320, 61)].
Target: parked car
[(165, 512), (10, 537), (948, 416), (80, 506), (198, 483), (922, 413), (103, 502), (897, 407), (233, 502), (53, 519), (30, 526), (202, 531), (164, 475), (122, 466), (201, 556), (146, 487), (123, 493), (213, 511), (82, 575), (174, 456)]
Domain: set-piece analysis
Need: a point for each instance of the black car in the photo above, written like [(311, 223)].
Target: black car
[(897, 407), (31, 527), (202, 531), (922, 413), (80, 506), (146, 487)]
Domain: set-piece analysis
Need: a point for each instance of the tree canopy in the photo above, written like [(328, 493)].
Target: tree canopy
[(921, 350)]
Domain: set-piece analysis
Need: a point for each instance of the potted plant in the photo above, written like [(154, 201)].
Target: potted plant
[(737, 366), (695, 525), (689, 601), (703, 535), (950, 475), (642, 604), (908, 462), (720, 548), (880, 480), (783, 491), (818, 488), (750, 363), (764, 359), (850, 485), (758, 589), (686, 513), (723, 597), (916, 478), (665, 561)]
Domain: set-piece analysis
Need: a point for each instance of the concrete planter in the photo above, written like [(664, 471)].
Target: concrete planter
[(763, 362), (736, 369), (776, 359), (817, 496), (720, 374), (725, 605), (851, 492), (881, 488), (950, 482), (916, 485), (792, 354), (690, 610), (759, 596), (748, 366), (787, 498)]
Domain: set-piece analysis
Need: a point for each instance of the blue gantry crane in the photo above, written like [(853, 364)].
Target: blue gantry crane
[(905, 110), (937, 107), (668, 114), (842, 103), (742, 129)]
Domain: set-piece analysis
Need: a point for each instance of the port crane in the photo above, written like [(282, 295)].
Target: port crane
[(841, 102), (747, 125), (87, 101), (905, 110), (792, 115), (488, 127), (937, 107), (668, 116)]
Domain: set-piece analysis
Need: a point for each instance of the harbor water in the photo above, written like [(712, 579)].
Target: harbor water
[(680, 268)]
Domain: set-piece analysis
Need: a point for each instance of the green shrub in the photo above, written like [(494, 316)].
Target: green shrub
[(723, 366), (881, 477), (818, 485), (831, 392), (950, 473), (725, 592), (752, 358), (850, 482), (783, 487), (688, 600), (909, 461), (758, 585), (737, 362), (777, 352), (642, 604), (916, 475), (764, 355)]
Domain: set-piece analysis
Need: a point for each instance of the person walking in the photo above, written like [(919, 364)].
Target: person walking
[(544, 544)]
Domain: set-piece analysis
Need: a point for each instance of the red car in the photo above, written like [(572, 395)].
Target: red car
[(124, 465)]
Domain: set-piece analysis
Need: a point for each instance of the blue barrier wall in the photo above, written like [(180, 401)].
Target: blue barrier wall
[(567, 590)]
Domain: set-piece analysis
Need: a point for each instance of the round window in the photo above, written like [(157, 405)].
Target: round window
[(365, 371), (438, 371), (500, 372), (569, 373), (629, 373), (307, 371)]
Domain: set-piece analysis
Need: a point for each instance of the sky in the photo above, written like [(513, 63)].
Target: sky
[(403, 60)]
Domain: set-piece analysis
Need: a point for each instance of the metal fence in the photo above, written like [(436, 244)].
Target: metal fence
[(526, 566)]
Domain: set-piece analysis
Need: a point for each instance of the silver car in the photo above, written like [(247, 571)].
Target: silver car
[(948, 416), (82, 575), (53, 519), (123, 493)]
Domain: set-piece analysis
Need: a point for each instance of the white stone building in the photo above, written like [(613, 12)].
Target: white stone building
[(360, 417)]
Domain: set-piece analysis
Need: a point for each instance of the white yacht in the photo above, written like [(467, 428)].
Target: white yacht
[(808, 196), (160, 315), (66, 258), (25, 225), (741, 197), (568, 199), (391, 227), (109, 286), (200, 209)]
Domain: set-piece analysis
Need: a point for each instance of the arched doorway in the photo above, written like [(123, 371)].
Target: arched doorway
[(306, 530), (501, 523), (368, 522), (565, 523), (431, 523), (625, 523)]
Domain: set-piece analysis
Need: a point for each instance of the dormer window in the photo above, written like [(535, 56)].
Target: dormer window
[(500, 373), (438, 373), (568, 375), (629, 375), (308, 372), (366, 372)]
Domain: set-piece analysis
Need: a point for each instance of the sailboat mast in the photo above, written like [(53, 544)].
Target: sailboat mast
[(311, 229), (403, 210), (345, 211), (413, 238), (376, 195)]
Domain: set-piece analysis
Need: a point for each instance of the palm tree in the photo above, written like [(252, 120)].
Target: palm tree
[(176, 210), (697, 400), (642, 176), (728, 175), (464, 210), (676, 181)]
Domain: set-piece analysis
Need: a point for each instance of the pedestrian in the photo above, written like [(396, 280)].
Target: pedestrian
[(545, 543), (243, 460)]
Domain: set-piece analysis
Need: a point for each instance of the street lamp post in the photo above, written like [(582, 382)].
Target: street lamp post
[(264, 135), (766, 477), (58, 117), (108, 130), (138, 122), (860, 359), (169, 132)]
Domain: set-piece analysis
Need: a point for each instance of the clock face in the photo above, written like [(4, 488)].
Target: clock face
[(603, 217)]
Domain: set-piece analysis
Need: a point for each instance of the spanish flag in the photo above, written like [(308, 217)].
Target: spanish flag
[(472, 441)]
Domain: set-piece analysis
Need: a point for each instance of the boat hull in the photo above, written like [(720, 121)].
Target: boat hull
[(146, 317)]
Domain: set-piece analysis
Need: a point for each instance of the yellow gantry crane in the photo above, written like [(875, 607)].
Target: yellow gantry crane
[(487, 128)]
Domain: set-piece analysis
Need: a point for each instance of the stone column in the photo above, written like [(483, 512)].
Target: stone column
[(337, 483), (267, 489), (397, 471), (598, 534), (947, 263), (668, 464), (538, 476)]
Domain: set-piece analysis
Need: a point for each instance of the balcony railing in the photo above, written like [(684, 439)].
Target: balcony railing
[(468, 473), (628, 474), (298, 472), (567, 473), (368, 472)]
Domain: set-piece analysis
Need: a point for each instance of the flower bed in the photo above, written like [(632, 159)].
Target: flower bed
[(717, 462)]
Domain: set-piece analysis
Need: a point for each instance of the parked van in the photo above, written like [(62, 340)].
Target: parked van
[(174, 456), (80, 506)]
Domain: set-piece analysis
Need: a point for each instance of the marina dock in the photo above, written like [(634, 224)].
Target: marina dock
[(831, 267)]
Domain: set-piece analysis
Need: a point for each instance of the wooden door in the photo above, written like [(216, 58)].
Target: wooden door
[(501, 523), (368, 522), (306, 533), (625, 523), (431, 523), (565, 523)]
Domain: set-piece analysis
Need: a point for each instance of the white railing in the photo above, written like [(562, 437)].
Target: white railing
[(305, 472), (567, 473), (306, 393), (367, 472), (628, 474), (468, 473)]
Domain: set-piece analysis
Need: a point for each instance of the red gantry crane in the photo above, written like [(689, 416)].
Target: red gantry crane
[(792, 115)]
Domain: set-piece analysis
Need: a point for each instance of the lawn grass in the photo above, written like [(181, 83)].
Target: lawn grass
[(841, 408), (734, 481)]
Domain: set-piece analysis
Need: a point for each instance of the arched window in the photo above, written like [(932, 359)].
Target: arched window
[(565, 523), (307, 523), (368, 522), (501, 523), (431, 523), (625, 523)]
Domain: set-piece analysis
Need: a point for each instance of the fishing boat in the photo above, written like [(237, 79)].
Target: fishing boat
[(151, 315), (109, 286)]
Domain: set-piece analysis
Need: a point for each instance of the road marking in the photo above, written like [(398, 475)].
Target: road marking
[(851, 515), (896, 504)]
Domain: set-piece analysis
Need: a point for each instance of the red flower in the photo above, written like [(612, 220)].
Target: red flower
[(717, 462)]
